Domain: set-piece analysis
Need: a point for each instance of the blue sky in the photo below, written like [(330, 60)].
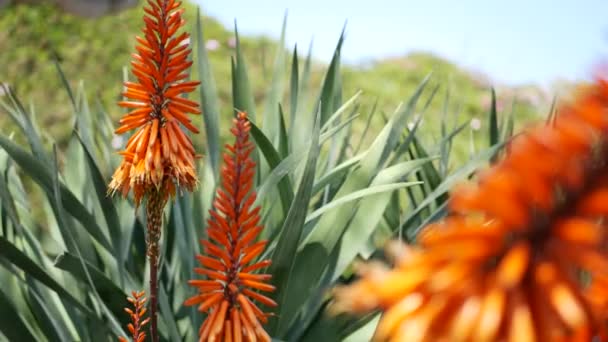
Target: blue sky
[(515, 42)]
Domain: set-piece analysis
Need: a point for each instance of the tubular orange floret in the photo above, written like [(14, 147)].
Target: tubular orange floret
[(136, 327), (507, 262), (157, 108), (233, 227)]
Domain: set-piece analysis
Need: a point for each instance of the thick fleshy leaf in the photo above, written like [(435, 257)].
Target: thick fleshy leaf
[(42, 176), (12, 325), (283, 258), (208, 100)]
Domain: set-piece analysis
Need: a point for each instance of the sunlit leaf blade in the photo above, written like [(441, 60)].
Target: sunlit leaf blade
[(493, 123), (107, 206), (19, 259), (283, 258), (324, 104), (209, 102), (241, 89), (110, 293), (273, 159), (42, 176), (294, 89), (271, 113)]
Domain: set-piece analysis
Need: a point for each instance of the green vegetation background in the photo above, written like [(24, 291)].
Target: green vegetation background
[(97, 52)]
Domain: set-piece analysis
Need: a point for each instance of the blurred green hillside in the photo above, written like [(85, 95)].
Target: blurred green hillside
[(96, 51)]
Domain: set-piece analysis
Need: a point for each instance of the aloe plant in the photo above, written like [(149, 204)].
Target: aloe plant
[(70, 254)]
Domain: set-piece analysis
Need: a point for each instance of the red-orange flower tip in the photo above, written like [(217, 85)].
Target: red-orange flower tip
[(159, 155), (137, 313), (232, 288), (522, 254)]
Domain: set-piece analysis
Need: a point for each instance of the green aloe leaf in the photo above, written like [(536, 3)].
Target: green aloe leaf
[(286, 166), (113, 297), (294, 89), (355, 195), (50, 320), (494, 134), (12, 325), (208, 96), (365, 332), (241, 89), (42, 176), (323, 240), (441, 190), (283, 258), (22, 261), (328, 90), (336, 173), (107, 205), (167, 315), (272, 115), (283, 145), (370, 212), (273, 159), (21, 117)]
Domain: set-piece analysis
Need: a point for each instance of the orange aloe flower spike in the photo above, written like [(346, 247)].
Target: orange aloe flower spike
[(230, 294), (159, 155), (136, 327), (506, 263)]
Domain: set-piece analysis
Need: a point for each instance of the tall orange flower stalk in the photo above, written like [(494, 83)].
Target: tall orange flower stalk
[(159, 157), (522, 254), (231, 287), (138, 301)]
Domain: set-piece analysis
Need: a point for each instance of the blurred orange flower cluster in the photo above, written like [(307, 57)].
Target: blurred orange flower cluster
[(522, 254)]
